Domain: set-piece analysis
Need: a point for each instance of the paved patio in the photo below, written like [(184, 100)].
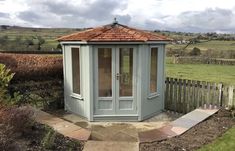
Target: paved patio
[(118, 136), (62, 126), (119, 131)]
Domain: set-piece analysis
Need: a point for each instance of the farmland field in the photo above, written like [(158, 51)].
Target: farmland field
[(48, 34), (202, 72), (215, 45)]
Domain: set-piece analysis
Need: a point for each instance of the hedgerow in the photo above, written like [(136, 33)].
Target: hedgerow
[(33, 66)]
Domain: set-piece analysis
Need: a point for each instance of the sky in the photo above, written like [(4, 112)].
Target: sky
[(174, 15)]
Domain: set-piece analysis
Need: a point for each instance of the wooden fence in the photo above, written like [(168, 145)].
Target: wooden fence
[(183, 95)]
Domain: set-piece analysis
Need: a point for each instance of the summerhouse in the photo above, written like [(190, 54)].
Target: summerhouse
[(114, 72)]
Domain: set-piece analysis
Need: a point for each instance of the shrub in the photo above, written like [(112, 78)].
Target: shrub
[(15, 120), (175, 52), (32, 66), (5, 78), (195, 52), (49, 139)]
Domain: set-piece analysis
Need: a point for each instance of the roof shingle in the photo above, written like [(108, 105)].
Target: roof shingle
[(114, 33)]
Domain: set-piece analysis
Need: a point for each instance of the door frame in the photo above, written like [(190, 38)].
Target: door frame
[(115, 89)]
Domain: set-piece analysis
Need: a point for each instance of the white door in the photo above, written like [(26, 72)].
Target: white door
[(115, 80)]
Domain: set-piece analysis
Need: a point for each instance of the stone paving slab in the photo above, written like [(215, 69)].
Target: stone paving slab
[(124, 137), (177, 127), (65, 127), (184, 123), (61, 126), (111, 146), (152, 135), (80, 134)]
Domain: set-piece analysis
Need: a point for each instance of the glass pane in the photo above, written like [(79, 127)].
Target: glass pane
[(153, 72), (76, 70), (105, 71), (126, 71)]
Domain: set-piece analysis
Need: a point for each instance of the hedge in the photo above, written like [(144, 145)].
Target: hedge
[(33, 66)]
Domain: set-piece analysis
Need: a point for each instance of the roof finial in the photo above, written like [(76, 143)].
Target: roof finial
[(115, 21)]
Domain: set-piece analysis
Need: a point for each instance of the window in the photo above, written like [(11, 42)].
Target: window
[(76, 70), (126, 72), (105, 72), (153, 70)]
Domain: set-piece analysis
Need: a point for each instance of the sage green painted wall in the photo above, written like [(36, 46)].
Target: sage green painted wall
[(83, 105)]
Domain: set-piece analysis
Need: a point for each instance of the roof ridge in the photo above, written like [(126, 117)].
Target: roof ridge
[(145, 32), (101, 32), (138, 31)]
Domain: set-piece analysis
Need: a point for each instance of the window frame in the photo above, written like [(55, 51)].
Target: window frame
[(76, 95), (152, 95)]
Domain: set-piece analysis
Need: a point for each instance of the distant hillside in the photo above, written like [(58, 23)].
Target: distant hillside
[(53, 33), (46, 33), (16, 38)]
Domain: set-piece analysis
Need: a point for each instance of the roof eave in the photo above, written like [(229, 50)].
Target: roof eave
[(115, 42)]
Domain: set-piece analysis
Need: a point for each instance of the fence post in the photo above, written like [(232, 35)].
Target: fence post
[(175, 95), (208, 97), (220, 95), (171, 95), (184, 96), (180, 96), (167, 93), (230, 97)]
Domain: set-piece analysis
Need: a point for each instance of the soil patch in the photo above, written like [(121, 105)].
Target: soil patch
[(202, 134), (38, 138)]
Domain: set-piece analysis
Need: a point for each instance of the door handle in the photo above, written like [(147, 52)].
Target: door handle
[(117, 76)]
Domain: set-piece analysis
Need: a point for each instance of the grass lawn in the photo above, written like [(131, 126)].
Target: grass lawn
[(225, 142), (202, 72)]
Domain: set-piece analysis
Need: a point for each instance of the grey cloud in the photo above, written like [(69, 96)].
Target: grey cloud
[(4, 15), (97, 10), (209, 20), (124, 19), (29, 16), (71, 15)]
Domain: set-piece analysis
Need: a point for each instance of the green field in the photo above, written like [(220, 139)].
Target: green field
[(46, 33), (49, 34), (214, 45), (202, 72), (224, 143)]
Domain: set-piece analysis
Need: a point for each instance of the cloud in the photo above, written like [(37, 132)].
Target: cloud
[(87, 13), (208, 20), (29, 16), (4, 15), (177, 15)]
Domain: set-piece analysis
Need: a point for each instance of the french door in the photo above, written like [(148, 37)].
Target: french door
[(115, 80)]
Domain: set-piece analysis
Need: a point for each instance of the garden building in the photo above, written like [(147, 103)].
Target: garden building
[(114, 72)]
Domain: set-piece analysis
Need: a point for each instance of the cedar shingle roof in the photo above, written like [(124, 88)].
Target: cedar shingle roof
[(114, 33)]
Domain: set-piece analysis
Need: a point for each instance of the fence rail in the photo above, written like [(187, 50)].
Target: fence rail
[(183, 95)]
